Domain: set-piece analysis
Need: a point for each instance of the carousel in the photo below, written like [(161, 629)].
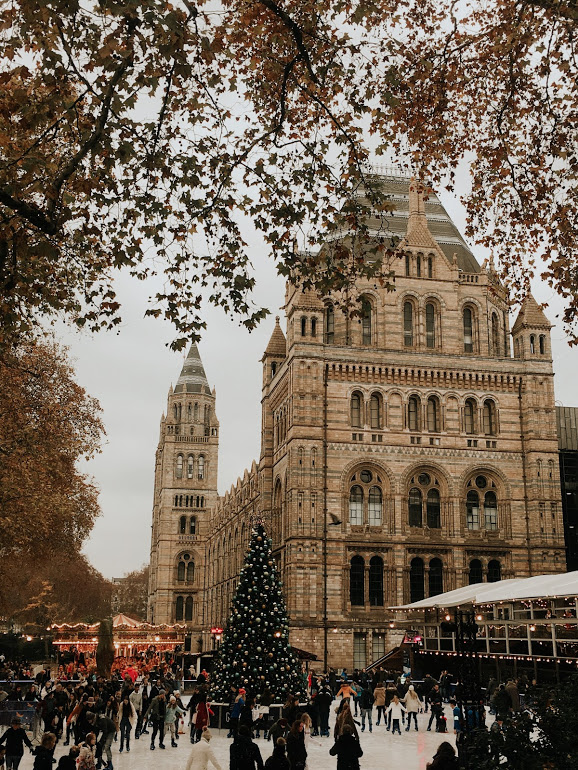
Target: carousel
[(130, 638)]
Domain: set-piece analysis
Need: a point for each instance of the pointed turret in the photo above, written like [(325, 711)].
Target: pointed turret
[(192, 378), (531, 331), (275, 353), (418, 232)]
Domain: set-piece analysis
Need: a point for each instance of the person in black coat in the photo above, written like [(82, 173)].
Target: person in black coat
[(444, 758), (347, 750), (324, 700), (296, 751), (278, 759), (244, 754), (15, 737)]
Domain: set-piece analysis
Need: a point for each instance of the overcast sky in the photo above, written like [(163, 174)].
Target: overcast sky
[(130, 373)]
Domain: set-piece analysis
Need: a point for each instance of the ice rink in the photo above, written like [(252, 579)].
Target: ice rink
[(410, 751)]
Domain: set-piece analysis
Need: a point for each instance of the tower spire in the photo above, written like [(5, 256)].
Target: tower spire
[(192, 377)]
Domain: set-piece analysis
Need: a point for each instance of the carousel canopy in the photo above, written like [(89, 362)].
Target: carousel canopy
[(516, 589)]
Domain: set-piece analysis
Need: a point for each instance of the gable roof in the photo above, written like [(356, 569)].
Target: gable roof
[(530, 315)]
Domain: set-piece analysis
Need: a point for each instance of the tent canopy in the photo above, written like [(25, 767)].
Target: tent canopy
[(516, 589)]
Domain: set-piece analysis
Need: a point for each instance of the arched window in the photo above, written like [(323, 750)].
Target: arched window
[(181, 569), (314, 327), (183, 525), (357, 582), (495, 334), (189, 608), (490, 511), (414, 413), (430, 325), (476, 573), (179, 610), (472, 510), (273, 368), (415, 507), (176, 501), (356, 505), (196, 410), (470, 410), (408, 324), (375, 507), (416, 580), (376, 581), (532, 344), (366, 312), (434, 519), (433, 414), (430, 267), (494, 571), (303, 326), (407, 265), (192, 525), (356, 410), (542, 344), (191, 572), (179, 467), (468, 330), (418, 265), (436, 577), (329, 321), (375, 411), (175, 411), (189, 411), (489, 417), (190, 462), (201, 468)]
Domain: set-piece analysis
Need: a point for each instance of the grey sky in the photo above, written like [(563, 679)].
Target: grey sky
[(130, 373)]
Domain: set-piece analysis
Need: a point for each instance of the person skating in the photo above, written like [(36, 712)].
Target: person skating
[(396, 710), (324, 700), (136, 699), (44, 754), (347, 749), (202, 754), (366, 705), (444, 758), (15, 738), (244, 754), (436, 704), (236, 713), (344, 717), (107, 729), (379, 697), (87, 753), (156, 713), (127, 717), (202, 714), (69, 761), (278, 759), (279, 729), (296, 751), (412, 705)]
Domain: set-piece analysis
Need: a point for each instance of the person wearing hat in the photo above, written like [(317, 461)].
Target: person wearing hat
[(15, 737), (236, 712), (202, 753), (412, 705)]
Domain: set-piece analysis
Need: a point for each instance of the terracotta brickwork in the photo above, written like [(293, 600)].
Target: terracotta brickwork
[(404, 452)]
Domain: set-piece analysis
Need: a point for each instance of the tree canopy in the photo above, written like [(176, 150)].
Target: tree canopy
[(137, 135)]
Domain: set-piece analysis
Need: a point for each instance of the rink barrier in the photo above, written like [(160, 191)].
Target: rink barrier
[(222, 713), (11, 709)]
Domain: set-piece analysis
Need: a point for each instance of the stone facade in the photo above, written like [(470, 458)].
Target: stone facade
[(404, 451)]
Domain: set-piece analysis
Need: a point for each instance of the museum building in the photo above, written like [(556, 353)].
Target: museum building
[(406, 451)]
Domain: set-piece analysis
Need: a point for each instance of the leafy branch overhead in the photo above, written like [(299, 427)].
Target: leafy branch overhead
[(138, 136)]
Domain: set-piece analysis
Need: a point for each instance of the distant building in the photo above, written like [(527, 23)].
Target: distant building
[(404, 453), (567, 421)]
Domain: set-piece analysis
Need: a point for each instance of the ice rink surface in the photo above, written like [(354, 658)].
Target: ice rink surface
[(381, 750)]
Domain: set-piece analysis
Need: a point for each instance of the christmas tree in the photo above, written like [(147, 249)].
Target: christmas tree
[(255, 652)]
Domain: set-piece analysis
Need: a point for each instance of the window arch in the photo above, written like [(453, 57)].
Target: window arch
[(542, 344), (376, 411), (494, 571), (472, 510), (489, 417), (181, 571), (201, 468), (179, 466), (375, 507), (434, 519), (356, 410), (416, 580), (470, 416), (273, 368), (430, 267), (476, 572), (407, 265), (193, 525), (418, 265), (356, 505), (408, 324), (190, 464), (179, 609), (314, 326), (491, 511), (303, 326), (436, 577), (196, 412), (189, 608), (329, 322), (532, 344), (183, 525), (433, 414), (495, 334), (376, 581), (414, 413), (430, 325), (190, 571), (415, 507), (468, 321), (366, 325), (357, 581)]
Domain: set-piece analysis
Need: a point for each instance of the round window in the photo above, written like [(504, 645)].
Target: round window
[(481, 482), (366, 476), (186, 556), (424, 479)]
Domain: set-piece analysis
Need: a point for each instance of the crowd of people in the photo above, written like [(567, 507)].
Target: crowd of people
[(143, 697)]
